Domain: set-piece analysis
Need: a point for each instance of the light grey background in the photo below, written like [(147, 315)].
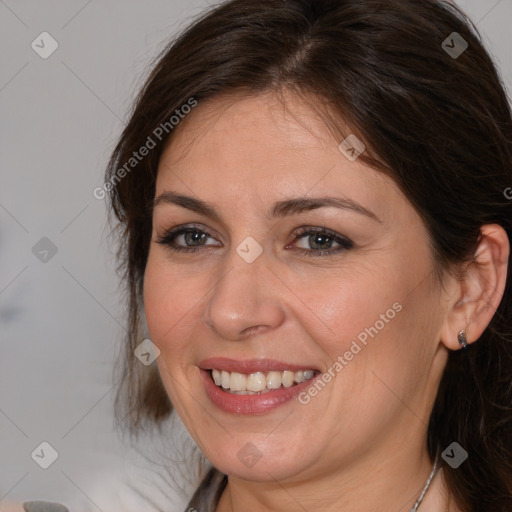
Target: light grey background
[(60, 320)]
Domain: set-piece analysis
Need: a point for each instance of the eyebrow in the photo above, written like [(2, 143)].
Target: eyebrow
[(278, 209)]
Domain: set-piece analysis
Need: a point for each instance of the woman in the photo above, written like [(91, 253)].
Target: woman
[(314, 227), (319, 242)]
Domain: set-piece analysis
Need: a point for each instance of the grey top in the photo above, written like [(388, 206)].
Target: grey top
[(205, 499), (43, 506), (207, 495)]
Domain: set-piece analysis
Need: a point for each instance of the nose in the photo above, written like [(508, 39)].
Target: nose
[(245, 301)]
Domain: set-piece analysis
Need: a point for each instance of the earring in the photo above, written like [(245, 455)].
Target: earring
[(462, 338)]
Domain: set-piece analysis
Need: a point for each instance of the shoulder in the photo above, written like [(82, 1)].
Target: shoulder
[(11, 507)]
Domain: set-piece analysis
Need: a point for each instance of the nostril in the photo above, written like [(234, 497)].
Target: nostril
[(250, 331)]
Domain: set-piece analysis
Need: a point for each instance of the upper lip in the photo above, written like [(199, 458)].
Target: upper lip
[(250, 365)]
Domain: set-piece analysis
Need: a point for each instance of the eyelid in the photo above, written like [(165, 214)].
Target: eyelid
[(181, 229), (344, 242)]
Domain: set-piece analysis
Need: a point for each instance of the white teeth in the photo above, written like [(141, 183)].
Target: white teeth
[(216, 377), (256, 381), (299, 377), (273, 380), (238, 382), (259, 382), (287, 379)]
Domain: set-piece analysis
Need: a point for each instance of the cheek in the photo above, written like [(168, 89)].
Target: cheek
[(382, 333), (355, 306), (379, 302), (166, 307), (366, 324), (155, 303), (167, 304)]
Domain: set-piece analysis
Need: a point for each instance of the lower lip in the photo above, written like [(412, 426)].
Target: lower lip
[(250, 404)]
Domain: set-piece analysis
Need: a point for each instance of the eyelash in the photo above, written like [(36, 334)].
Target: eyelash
[(345, 244)]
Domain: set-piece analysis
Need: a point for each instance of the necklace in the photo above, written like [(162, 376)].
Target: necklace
[(422, 494), (416, 504)]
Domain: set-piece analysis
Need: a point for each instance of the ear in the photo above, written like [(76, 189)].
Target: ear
[(478, 294)]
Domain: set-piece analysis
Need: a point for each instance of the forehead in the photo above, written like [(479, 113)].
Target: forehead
[(280, 122), (265, 147)]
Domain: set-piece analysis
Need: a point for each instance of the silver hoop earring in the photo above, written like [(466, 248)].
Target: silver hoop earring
[(462, 339)]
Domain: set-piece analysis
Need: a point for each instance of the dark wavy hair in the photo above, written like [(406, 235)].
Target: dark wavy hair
[(438, 124)]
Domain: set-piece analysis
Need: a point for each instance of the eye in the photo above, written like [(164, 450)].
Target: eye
[(188, 234), (192, 239), (321, 240)]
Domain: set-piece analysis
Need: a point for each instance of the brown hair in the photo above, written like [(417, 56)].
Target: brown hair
[(439, 125)]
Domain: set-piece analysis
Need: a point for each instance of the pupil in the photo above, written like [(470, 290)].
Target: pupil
[(195, 236), (318, 239)]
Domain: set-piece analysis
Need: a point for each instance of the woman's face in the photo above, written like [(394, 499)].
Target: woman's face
[(259, 296)]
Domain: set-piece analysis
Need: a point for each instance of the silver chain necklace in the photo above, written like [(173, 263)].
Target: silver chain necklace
[(416, 504), (422, 494)]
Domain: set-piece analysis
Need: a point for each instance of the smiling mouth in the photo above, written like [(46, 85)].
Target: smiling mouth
[(259, 382)]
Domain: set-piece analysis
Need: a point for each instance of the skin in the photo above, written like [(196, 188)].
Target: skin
[(360, 444)]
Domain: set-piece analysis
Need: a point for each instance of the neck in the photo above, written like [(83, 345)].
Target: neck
[(438, 497), (393, 484)]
